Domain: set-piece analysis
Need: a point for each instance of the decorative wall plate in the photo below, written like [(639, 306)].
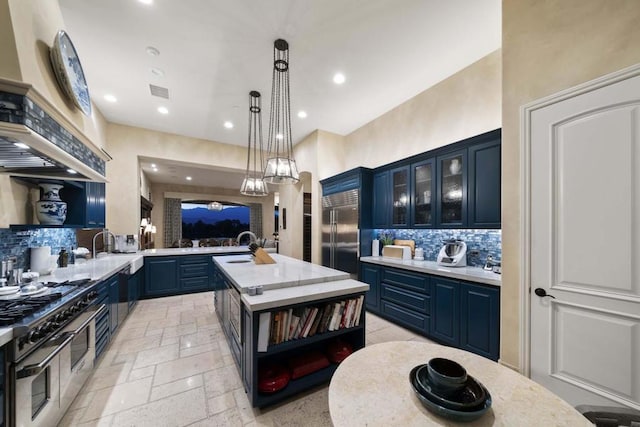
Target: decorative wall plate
[(68, 71)]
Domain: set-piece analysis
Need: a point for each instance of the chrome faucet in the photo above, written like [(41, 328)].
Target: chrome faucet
[(105, 231), (252, 237)]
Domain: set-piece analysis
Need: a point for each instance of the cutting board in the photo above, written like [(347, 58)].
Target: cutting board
[(410, 243)]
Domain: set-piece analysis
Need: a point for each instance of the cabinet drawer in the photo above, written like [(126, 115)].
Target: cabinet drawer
[(406, 317), (195, 283), (194, 270), (419, 302), (195, 259), (415, 282)]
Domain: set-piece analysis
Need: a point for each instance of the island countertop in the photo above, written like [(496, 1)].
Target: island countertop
[(286, 272)]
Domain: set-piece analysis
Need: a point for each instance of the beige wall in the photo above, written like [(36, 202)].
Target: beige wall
[(463, 105), (548, 46), (34, 25), (127, 143)]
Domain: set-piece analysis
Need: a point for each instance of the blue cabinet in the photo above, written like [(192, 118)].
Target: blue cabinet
[(445, 300), (484, 185), (457, 313), (455, 186), (381, 199), (370, 274), (480, 319), (171, 275), (451, 206), (161, 275), (400, 196), (423, 193), (102, 321), (349, 180), (95, 205)]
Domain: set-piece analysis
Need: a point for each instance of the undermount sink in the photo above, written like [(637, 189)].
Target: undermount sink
[(238, 261)]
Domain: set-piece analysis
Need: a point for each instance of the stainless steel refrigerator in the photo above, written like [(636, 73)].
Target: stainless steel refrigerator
[(340, 236)]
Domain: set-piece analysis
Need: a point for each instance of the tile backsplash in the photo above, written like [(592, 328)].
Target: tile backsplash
[(17, 243), (486, 242)]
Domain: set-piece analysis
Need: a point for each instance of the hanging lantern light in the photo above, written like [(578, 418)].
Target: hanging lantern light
[(281, 167), (253, 184)]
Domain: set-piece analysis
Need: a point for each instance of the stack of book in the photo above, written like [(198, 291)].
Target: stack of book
[(301, 322)]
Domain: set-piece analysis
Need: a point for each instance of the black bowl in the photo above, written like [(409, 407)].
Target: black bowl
[(450, 414), (469, 397), (446, 376)]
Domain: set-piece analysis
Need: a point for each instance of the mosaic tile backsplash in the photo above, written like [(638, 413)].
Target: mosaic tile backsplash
[(486, 242), (17, 243), (20, 109)]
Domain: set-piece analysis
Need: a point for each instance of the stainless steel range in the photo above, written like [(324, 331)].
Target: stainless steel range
[(52, 352)]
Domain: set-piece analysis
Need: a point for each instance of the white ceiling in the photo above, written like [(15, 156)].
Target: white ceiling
[(213, 52)]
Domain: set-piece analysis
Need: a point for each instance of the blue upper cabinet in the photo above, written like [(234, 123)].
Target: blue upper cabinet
[(400, 196), (455, 186), (95, 207), (484, 184), (451, 208), (381, 200), (354, 179), (423, 194)]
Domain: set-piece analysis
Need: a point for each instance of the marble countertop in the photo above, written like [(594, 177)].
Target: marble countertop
[(223, 250), (300, 294), (372, 386), (472, 274), (6, 335), (95, 269), (286, 272)]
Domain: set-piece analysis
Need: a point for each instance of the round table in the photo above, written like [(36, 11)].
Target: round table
[(371, 388)]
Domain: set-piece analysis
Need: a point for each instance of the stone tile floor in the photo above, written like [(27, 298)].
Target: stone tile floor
[(170, 365)]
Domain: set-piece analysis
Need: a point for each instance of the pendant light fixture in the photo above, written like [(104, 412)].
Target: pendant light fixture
[(281, 167), (253, 184), (215, 206)]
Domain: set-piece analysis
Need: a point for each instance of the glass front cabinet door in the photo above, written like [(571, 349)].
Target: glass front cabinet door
[(452, 189), (400, 207), (424, 186)]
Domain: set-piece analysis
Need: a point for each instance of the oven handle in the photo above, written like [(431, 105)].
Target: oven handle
[(86, 323), (36, 368)]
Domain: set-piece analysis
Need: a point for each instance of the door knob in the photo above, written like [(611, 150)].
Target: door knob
[(542, 293)]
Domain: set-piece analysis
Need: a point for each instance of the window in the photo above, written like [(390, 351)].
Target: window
[(198, 222)]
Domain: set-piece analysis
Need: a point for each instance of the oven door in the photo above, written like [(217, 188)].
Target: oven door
[(37, 380), (77, 364)]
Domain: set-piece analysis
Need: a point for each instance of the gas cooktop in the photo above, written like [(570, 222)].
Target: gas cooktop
[(14, 310)]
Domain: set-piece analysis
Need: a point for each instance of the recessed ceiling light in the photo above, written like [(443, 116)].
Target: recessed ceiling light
[(279, 136), (157, 72), (146, 1), (153, 166), (110, 98), (189, 178), (163, 110), (339, 78), (228, 125), (154, 169), (71, 171), (152, 51), (21, 145), (302, 114)]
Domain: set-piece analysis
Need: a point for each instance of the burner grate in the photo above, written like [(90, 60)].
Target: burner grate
[(12, 311)]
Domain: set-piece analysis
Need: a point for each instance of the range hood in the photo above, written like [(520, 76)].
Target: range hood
[(34, 144)]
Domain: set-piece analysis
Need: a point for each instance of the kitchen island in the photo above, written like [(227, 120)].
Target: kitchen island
[(250, 322)]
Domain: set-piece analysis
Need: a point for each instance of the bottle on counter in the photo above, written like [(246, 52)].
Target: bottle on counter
[(72, 256), (63, 258)]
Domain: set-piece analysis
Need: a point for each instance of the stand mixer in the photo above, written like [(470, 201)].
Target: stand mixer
[(453, 253)]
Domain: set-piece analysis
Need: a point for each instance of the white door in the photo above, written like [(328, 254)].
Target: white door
[(585, 245)]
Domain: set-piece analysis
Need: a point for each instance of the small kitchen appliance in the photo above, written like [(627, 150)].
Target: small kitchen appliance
[(453, 253), (126, 243)]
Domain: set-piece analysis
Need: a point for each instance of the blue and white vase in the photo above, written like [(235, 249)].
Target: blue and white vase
[(50, 210)]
